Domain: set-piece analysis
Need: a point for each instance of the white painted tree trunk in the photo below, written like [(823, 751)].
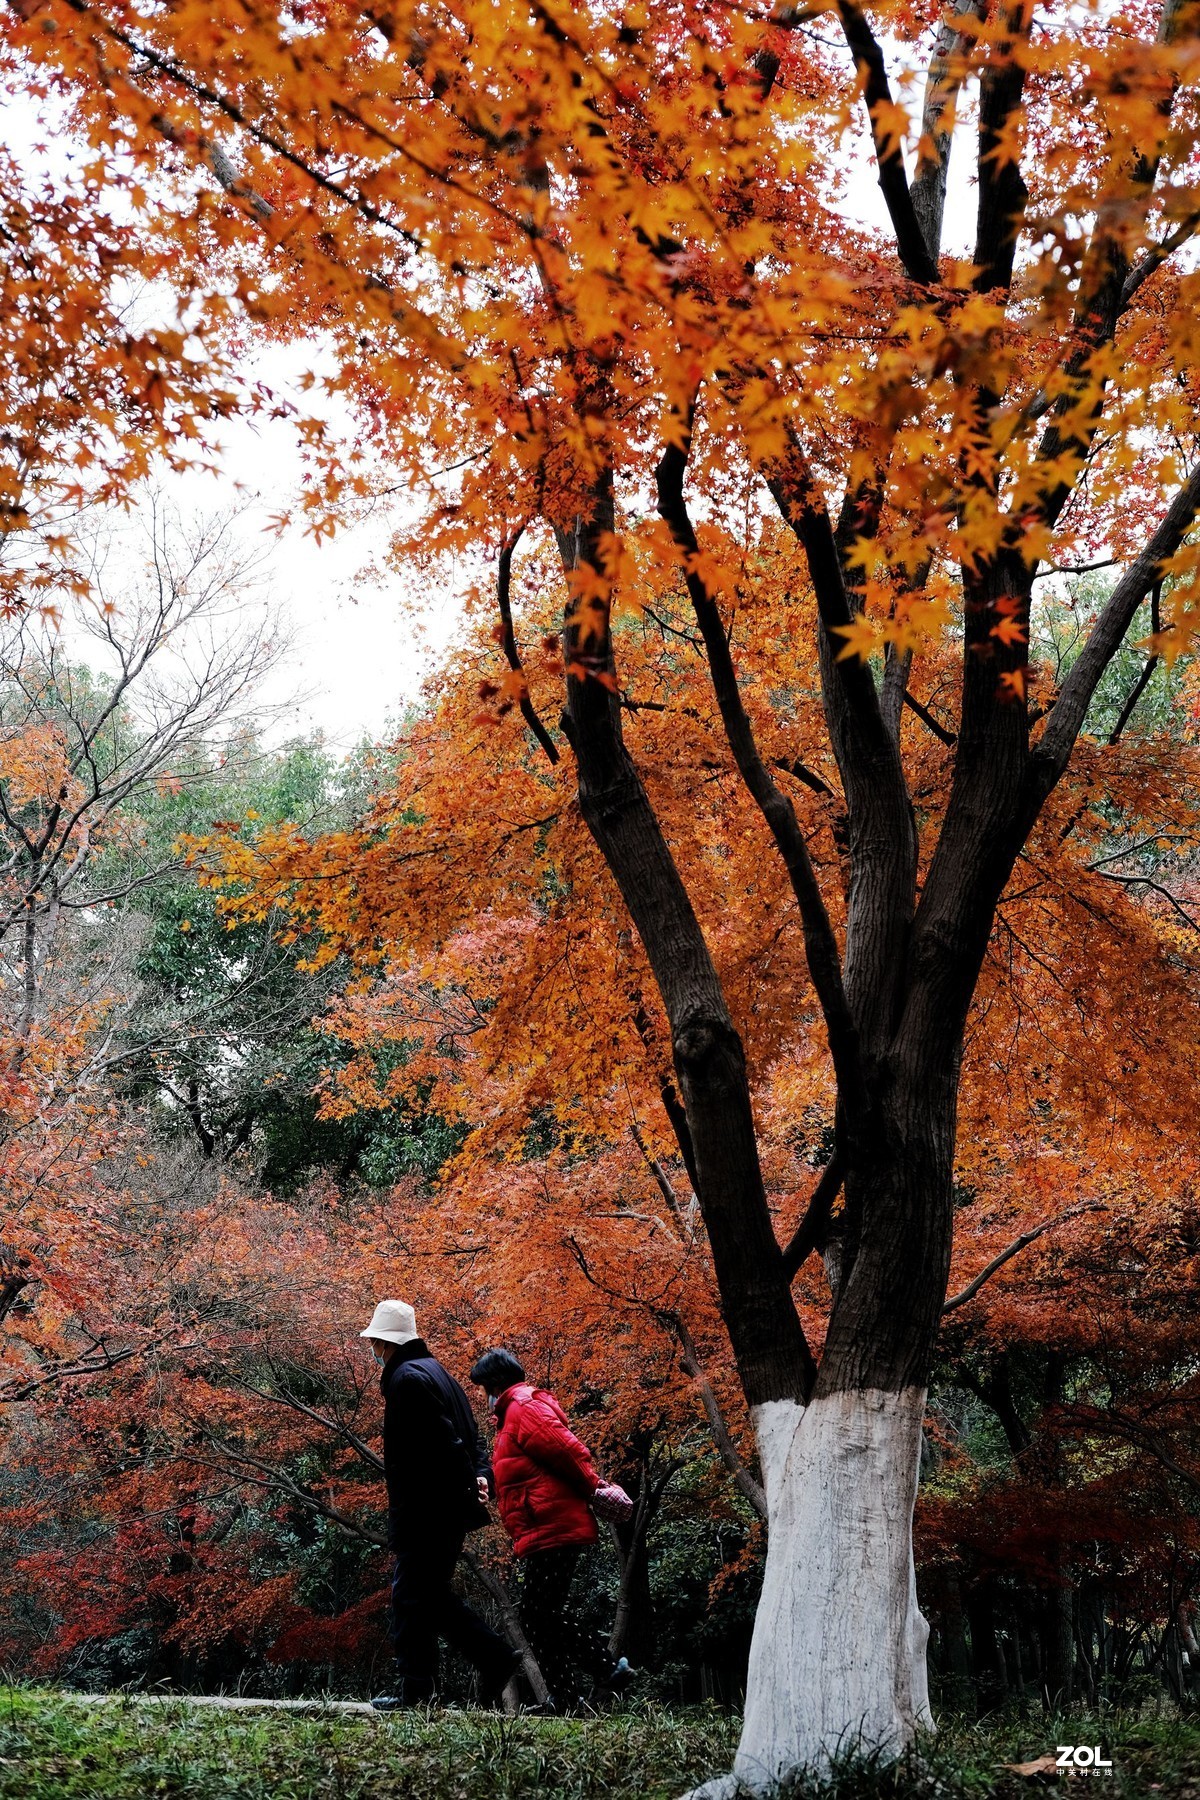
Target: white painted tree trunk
[(838, 1657)]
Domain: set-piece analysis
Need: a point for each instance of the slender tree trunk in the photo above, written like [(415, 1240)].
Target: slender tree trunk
[(958, 1685)]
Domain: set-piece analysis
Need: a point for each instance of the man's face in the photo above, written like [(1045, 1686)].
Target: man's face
[(381, 1350)]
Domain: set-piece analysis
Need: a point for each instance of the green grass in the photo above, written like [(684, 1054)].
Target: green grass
[(57, 1747)]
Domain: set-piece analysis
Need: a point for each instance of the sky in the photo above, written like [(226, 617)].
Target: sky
[(358, 650)]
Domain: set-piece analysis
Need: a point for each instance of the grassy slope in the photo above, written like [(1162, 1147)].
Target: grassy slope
[(53, 1747)]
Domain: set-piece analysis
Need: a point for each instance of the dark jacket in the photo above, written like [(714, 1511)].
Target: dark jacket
[(544, 1476), (432, 1453)]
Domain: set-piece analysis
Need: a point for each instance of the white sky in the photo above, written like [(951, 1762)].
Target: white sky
[(359, 651)]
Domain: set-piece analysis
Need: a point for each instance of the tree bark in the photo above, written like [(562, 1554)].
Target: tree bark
[(769, 1347)]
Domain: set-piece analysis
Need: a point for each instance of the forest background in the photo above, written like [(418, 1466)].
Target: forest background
[(228, 1129)]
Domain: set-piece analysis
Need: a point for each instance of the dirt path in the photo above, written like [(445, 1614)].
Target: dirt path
[(229, 1703)]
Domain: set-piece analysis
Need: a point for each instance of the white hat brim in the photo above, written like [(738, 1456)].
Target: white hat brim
[(392, 1337)]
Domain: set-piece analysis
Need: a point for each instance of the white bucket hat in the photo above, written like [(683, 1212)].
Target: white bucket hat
[(394, 1321)]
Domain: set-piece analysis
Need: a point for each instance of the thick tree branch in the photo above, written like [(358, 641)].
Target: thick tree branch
[(1002, 191), (881, 829), (1101, 298), (769, 1345), (802, 506), (820, 944), (942, 83), (868, 56), (949, 738), (802, 773), (808, 1235), (1157, 255)]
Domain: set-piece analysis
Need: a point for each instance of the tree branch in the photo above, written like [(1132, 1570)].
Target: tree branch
[(1066, 716), (808, 1234), (98, 1363), (1018, 1244), (942, 83), (683, 1231), (949, 738), (867, 52), (824, 960), (690, 1362), (1157, 255), (1143, 681), (669, 1320), (509, 642), (1002, 191)]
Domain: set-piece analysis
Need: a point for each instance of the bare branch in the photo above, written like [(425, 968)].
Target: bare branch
[(726, 1448), (1143, 681), (1018, 1244), (684, 1231), (95, 1363), (1070, 709)]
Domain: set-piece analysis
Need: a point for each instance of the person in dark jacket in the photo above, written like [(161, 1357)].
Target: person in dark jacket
[(437, 1477), (545, 1482)]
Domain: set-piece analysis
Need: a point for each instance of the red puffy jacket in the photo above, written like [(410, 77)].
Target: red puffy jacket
[(544, 1475)]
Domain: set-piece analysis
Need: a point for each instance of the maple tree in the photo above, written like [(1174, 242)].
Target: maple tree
[(200, 1538), (582, 263), (497, 983)]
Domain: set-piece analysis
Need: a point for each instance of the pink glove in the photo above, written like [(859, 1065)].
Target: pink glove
[(612, 1502)]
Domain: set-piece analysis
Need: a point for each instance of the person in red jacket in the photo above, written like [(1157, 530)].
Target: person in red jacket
[(545, 1481)]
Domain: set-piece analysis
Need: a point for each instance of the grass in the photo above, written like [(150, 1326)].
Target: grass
[(55, 1746)]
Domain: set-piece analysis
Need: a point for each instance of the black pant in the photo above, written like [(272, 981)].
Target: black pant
[(425, 1607), (564, 1648)]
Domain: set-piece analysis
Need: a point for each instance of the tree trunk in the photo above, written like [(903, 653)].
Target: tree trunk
[(990, 1675), (838, 1655), (837, 1662), (958, 1685)]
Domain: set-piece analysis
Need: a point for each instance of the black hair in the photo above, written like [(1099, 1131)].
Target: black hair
[(497, 1370)]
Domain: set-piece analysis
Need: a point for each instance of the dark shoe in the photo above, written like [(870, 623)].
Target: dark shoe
[(491, 1687), (400, 1701)]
